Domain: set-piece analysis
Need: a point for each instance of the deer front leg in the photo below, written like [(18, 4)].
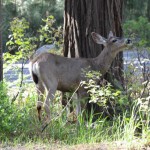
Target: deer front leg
[(81, 100), (80, 95)]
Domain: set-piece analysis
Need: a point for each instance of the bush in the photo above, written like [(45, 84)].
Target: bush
[(111, 101), (15, 118), (137, 79), (138, 29)]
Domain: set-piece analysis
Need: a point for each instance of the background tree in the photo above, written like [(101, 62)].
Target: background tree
[(148, 10), (136, 8), (33, 11), (1, 52)]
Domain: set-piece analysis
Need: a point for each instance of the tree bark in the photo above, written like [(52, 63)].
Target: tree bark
[(81, 17), (1, 52)]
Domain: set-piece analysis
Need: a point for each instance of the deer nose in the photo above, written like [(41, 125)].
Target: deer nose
[(128, 41)]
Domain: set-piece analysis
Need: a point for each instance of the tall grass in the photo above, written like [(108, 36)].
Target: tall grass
[(19, 123)]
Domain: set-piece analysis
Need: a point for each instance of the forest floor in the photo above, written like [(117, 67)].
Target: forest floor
[(102, 146)]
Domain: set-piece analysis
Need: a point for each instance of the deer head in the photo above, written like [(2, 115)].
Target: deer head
[(113, 43)]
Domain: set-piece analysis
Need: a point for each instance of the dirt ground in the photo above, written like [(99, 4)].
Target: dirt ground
[(101, 146)]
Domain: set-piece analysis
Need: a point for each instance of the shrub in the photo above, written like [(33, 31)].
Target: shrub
[(15, 118)]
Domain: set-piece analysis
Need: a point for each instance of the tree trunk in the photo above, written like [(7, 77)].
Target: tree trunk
[(148, 10), (81, 17), (1, 52)]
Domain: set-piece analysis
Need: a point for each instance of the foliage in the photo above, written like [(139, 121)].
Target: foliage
[(33, 11), (48, 33), (138, 29), (21, 40), (104, 94), (137, 85), (19, 123), (137, 80), (135, 8), (14, 118), (22, 44), (131, 105)]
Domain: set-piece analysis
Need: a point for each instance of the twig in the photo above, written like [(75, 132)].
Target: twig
[(21, 82)]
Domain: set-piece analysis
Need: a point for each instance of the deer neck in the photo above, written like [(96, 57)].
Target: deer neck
[(104, 60)]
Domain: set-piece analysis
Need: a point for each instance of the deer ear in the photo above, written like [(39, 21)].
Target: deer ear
[(110, 35), (98, 38)]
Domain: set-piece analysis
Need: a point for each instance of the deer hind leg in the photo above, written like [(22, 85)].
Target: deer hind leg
[(40, 91), (51, 87)]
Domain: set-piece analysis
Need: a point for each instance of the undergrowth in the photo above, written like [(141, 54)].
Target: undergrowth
[(19, 124)]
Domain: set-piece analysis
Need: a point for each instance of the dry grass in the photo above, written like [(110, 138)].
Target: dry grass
[(118, 145)]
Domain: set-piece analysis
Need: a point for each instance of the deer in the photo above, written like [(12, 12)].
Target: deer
[(51, 72)]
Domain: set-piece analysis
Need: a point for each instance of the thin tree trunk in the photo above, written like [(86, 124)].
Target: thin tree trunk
[(148, 10), (1, 52)]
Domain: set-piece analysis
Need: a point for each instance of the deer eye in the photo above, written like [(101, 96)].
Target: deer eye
[(115, 40)]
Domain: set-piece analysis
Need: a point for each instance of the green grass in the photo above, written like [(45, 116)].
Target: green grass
[(19, 124)]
